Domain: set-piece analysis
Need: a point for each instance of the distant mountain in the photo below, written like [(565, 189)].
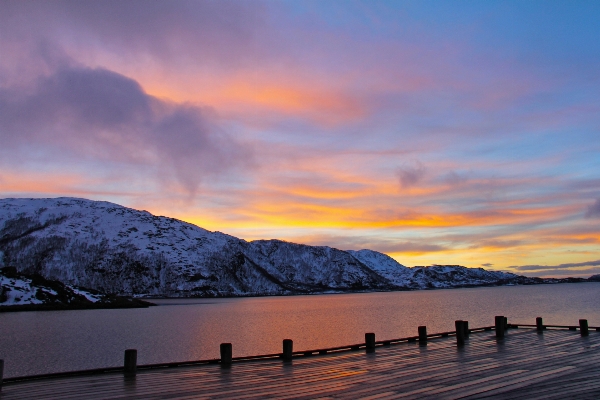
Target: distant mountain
[(114, 249)]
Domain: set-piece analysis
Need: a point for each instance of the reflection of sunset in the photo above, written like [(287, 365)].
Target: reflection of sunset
[(324, 321)]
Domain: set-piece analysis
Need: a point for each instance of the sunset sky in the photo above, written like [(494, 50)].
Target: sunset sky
[(437, 132)]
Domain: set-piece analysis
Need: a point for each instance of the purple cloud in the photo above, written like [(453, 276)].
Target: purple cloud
[(383, 246), (411, 175), (101, 114), (221, 32), (498, 243), (593, 211), (560, 273), (452, 178), (559, 266)]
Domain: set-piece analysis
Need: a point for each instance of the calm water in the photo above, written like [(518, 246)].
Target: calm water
[(190, 329)]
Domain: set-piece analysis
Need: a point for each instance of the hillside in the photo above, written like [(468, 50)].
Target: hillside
[(119, 250), (23, 292)]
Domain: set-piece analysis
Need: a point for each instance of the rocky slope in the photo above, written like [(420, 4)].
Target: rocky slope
[(114, 249), (34, 292)]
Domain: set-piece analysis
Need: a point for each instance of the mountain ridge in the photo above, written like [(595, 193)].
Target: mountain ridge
[(119, 250)]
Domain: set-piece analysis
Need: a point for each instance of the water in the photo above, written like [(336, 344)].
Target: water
[(192, 329)]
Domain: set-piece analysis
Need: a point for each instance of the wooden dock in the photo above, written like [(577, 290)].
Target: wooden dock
[(525, 364)]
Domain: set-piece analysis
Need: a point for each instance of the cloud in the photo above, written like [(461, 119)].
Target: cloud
[(411, 175), (498, 243), (564, 273), (593, 211), (356, 243), (98, 114), (452, 178), (217, 32), (410, 247), (487, 265), (556, 267)]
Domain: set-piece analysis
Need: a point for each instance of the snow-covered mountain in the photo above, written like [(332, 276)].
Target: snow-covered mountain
[(114, 249)]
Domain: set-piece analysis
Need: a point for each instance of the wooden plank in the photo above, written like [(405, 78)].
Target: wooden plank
[(509, 384), (523, 360), (580, 381), (416, 381)]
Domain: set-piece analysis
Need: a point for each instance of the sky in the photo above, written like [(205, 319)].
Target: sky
[(437, 132)]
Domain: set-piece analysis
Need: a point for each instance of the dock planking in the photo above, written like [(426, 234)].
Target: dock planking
[(552, 364)]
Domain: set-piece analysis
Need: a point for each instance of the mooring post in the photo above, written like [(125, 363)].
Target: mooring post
[(499, 322), (1, 372), (226, 353), (460, 332), (539, 324), (583, 327), (422, 334), (370, 340), (288, 348), (505, 323), (130, 362), (466, 328)]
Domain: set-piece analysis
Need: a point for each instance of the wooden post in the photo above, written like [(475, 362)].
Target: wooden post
[(505, 323), (460, 332), (466, 328), (499, 322), (288, 348), (1, 373), (226, 353), (583, 327), (423, 334), (539, 324), (130, 362), (370, 341)]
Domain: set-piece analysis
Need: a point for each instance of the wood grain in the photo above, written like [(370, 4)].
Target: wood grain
[(525, 364)]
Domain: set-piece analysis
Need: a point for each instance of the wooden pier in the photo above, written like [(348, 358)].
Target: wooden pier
[(504, 361)]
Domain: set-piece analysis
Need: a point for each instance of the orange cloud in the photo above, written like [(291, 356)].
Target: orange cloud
[(249, 93), (290, 99), (50, 184), (281, 212)]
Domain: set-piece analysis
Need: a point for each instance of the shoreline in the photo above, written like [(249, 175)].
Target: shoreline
[(146, 301), (125, 303), (575, 280)]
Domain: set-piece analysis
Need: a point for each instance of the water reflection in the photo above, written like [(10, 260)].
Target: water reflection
[(191, 329)]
